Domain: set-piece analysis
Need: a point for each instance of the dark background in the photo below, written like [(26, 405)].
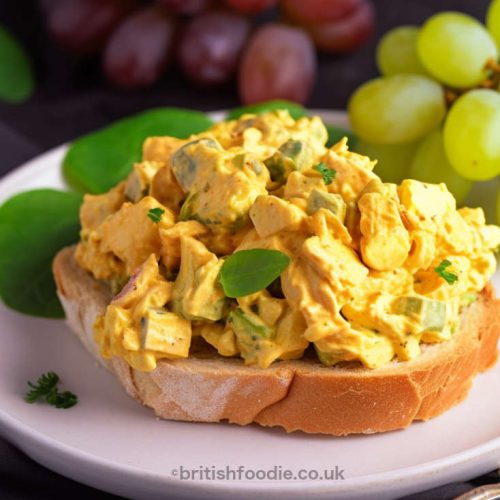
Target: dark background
[(72, 98)]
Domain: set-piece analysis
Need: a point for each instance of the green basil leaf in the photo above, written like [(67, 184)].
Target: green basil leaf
[(16, 75), (98, 161), (336, 133), (249, 271), (34, 226), (296, 110)]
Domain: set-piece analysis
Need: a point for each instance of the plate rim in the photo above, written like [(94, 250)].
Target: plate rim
[(350, 485), (18, 433)]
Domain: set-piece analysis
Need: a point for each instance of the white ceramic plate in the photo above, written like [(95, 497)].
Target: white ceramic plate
[(110, 442)]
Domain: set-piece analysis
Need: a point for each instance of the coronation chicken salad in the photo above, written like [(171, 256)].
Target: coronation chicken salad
[(375, 269)]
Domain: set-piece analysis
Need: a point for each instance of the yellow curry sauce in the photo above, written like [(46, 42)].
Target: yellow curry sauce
[(361, 284)]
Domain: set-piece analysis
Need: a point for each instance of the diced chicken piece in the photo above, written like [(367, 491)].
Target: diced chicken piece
[(268, 308), (425, 201), (299, 185), (131, 235), (422, 251), (96, 208), (222, 185), (166, 189), (171, 240), (473, 216), (160, 149), (221, 337), (146, 279), (139, 181), (335, 262), (103, 265), (385, 243), (353, 173), (165, 332), (197, 293), (290, 335), (326, 225), (455, 236), (271, 214), (490, 235)]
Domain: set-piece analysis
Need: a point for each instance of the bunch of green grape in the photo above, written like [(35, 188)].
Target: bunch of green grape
[(434, 113)]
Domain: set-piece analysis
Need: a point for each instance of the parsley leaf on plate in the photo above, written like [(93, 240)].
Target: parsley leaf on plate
[(46, 389)]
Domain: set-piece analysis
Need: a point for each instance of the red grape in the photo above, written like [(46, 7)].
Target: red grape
[(251, 6), (138, 51), (83, 26), (318, 11), (185, 7), (346, 34), (211, 45), (279, 63), (47, 6)]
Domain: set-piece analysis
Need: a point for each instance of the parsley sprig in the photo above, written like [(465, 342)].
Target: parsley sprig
[(450, 278), (155, 214), (328, 174), (46, 389)]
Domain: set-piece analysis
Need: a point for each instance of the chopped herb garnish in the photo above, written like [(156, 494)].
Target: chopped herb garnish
[(155, 214), (46, 389), (46, 383), (249, 271), (450, 278), (328, 174)]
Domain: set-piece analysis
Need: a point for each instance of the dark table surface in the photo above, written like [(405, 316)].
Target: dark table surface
[(72, 98)]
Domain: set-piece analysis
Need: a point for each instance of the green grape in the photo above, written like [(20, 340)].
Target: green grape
[(430, 164), (472, 134), (455, 49), (393, 160), (493, 21), (397, 52), (396, 109)]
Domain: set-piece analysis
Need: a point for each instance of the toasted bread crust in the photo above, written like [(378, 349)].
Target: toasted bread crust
[(297, 395)]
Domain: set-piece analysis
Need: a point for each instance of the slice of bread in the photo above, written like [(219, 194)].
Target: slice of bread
[(297, 395)]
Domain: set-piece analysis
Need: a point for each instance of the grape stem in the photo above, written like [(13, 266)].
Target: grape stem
[(493, 66), (492, 82)]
